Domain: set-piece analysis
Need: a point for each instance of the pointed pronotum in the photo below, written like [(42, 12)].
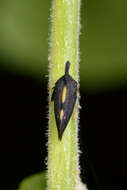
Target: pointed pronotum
[(64, 97)]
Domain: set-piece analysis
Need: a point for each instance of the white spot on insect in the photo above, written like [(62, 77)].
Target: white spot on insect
[(61, 114)]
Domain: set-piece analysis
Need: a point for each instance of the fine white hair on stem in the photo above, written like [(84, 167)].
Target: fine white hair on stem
[(63, 156)]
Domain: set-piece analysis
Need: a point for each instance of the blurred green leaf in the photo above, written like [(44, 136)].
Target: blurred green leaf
[(24, 35), (34, 182), (24, 40)]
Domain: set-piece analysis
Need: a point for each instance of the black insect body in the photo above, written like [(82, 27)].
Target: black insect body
[(64, 97)]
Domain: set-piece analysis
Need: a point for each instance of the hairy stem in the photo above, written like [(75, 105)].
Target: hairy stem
[(63, 166)]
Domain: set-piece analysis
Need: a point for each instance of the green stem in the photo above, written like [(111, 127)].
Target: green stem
[(63, 164)]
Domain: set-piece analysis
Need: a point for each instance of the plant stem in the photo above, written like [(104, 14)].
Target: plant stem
[(63, 164)]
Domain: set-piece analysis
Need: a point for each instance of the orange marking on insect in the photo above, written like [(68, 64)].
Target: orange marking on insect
[(64, 94), (61, 114)]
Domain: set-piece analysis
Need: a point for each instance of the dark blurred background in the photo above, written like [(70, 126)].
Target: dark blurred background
[(24, 31)]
